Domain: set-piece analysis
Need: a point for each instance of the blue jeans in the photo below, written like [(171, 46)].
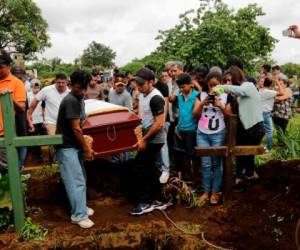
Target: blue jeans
[(73, 175), (211, 167), (268, 129), (22, 153)]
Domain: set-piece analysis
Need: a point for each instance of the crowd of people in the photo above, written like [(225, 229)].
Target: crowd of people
[(179, 110)]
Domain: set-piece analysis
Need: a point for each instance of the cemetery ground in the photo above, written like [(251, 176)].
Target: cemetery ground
[(262, 217)]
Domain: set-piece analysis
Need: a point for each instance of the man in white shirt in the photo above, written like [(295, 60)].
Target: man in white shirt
[(52, 96)]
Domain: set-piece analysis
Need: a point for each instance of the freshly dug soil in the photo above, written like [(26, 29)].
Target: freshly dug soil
[(262, 217)]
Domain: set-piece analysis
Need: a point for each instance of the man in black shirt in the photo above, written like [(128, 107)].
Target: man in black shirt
[(70, 153)]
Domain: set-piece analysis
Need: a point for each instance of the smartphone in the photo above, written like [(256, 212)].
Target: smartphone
[(287, 32), (211, 98)]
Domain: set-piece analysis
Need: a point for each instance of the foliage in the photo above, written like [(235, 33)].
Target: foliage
[(291, 141), (47, 170), (32, 231), (211, 34), (22, 27), (47, 68), (6, 218), (5, 200), (286, 146), (291, 69), (98, 54), (133, 66), (6, 215)]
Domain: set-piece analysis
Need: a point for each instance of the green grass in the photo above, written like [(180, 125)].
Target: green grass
[(285, 146), (33, 231)]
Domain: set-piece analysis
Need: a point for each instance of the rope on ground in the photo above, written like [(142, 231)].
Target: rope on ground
[(192, 233), (297, 234)]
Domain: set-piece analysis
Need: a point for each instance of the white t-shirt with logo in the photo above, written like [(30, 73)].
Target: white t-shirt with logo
[(52, 100), (212, 118)]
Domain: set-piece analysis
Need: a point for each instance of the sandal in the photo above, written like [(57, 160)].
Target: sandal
[(215, 198), (203, 198)]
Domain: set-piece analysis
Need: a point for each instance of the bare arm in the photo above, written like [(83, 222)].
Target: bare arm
[(286, 95), (173, 99), (20, 106), (198, 106), (228, 109), (88, 152), (219, 104), (197, 86), (32, 107), (166, 108), (158, 124), (280, 89)]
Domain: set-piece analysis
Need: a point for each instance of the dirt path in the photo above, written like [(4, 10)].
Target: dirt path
[(263, 217)]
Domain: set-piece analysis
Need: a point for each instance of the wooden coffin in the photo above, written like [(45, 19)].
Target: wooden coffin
[(111, 127)]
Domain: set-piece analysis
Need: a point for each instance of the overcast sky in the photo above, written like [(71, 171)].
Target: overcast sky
[(130, 26)]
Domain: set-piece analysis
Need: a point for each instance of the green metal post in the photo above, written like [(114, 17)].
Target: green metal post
[(10, 143), (12, 160)]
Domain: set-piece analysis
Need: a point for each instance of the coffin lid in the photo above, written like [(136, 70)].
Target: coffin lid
[(102, 114), (95, 107)]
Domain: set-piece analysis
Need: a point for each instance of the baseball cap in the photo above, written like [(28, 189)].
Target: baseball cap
[(144, 75), (35, 82), (183, 79), (283, 77), (120, 83)]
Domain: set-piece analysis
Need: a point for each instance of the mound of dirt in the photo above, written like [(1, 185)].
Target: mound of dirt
[(262, 217)]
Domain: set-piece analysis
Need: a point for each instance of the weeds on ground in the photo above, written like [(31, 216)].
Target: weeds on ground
[(6, 212), (286, 146), (47, 170), (32, 231), (6, 219)]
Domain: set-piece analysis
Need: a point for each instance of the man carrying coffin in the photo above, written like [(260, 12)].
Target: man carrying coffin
[(151, 111)]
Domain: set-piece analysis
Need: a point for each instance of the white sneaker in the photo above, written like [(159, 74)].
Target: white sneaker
[(164, 177), (86, 223), (89, 211)]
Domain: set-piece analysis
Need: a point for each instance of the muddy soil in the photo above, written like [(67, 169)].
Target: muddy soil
[(262, 217)]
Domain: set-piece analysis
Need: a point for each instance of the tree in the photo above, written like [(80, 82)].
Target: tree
[(291, 69), (133, 67), (98, 54), (214, 32), (22, 27), (47, 68)]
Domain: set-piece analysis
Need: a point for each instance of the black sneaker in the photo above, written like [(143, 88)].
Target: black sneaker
[(159, 205), (142, 208)]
